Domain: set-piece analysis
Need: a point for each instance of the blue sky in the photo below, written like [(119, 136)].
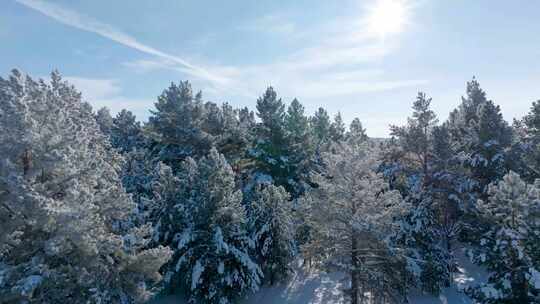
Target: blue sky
[(366, 59)]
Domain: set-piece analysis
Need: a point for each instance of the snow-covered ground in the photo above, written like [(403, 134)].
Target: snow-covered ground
[(469, 275), (314, 287), (305, 286)]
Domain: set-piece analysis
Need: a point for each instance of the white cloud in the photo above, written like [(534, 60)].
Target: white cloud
[(93, 89), (139, 107), (108, 93), (79, 21)]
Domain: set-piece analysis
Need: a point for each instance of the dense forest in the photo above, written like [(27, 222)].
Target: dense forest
[(215, 202)]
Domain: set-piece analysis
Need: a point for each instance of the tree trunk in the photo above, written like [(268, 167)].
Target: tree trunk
[(27, 162), (355, 282)]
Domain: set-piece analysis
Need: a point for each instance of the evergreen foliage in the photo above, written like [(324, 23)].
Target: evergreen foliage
[(206, 224), (513, 210), (63, 209), (272, 230), (96, 208), (353, 212)]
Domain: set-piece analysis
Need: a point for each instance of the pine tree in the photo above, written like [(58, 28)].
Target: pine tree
[(167, 192), (416, 137), (272, 230), (246, 118), (126, 132), (150, 184), (431, 220), (104, 120), (352, 214), (271, 111), (234, 137), (356, 133), (243, 163), (494, 136), (528, 146), (513, 210), (337, 128), (205, 221), (63, 209), (320, 126), (463, 118), (175, 127), (270, 149), (443, 151), (296, 122), (420, 236), (450, 186), (481, 136), (532, 120), (300, 149)]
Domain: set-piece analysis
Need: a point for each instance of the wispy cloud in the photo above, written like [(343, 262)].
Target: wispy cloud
[(93, 88), (74, 19), (330, 60), (108, 93), (337, 58)]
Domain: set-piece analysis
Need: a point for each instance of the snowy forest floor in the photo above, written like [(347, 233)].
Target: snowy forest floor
[(469, 274), (308, 286)]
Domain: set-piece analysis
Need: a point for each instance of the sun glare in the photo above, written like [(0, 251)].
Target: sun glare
[(387, 17)]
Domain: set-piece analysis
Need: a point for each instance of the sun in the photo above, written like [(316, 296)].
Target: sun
[(387, 17)]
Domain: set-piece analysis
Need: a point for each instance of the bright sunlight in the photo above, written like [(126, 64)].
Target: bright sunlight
[(387, 17)]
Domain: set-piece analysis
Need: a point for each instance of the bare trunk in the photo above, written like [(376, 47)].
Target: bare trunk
[(425, 168), (27, 161), (355, 282)]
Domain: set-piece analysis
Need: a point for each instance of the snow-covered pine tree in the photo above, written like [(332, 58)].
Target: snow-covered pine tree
[(272, 229), (481, 136), (421, 231), (243, 163), (356, 133), (416, 137), (481, 140), (104, 120), (127, 138), (532, 120), (152, 186), (494, 138), (175, 125), (320, 126), (420, 237), (450, 186), (337, 128), (206, 224), (271, 143), (167, 192), (233, 137), (352, 213), (301, 151), (62, 205), (526, 147), (300, 148), (513, 210), (126, 132)]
